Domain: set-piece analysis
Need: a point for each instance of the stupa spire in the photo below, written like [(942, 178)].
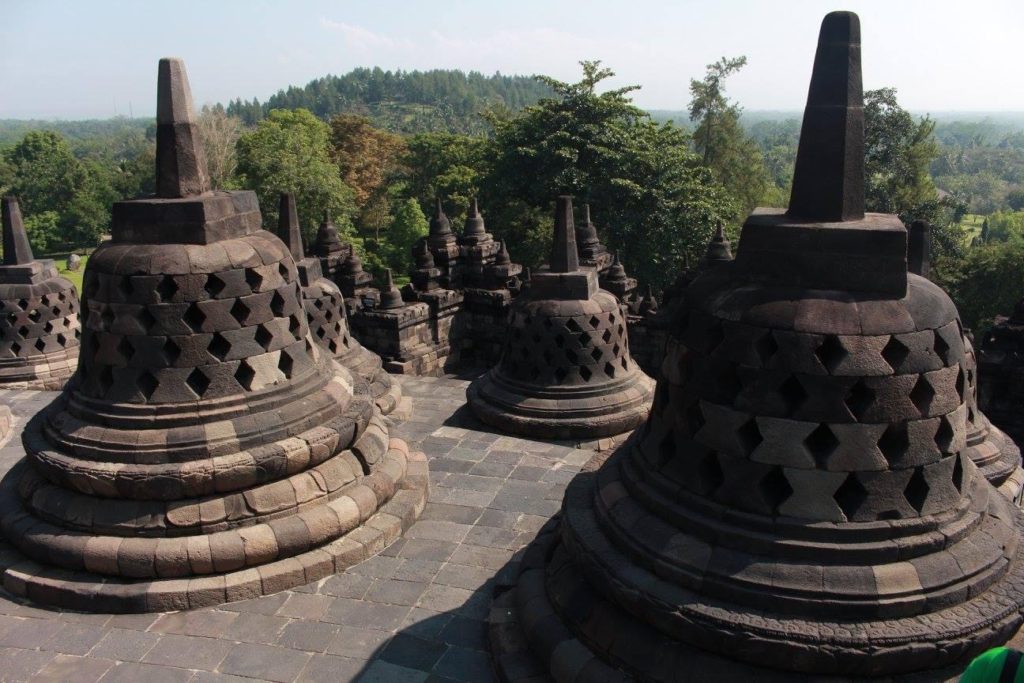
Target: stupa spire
[(474, 221), (439, 224), (564, 258), (180, 159), (828, 182), (288, 226), (17, 250)]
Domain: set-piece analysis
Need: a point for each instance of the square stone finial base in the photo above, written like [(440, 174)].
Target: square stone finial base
[(867, 255), (576, 285), (202, 219), (29, 273)]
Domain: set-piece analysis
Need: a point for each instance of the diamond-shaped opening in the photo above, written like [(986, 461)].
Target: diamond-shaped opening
[(749, 436), (126, 349), (23, 304), (240, 311), (609, 370), (23, 331), (917, 488), (56, 311), (894, 443), (167, 288), (695, 418), (146, 319), (559, 341), (961, 384), (859, 399), (624, 363), (585, 373), (34, 315), (147, 384), (15, 348), (560, 374), (821, 443), (198, 382), (775, 488), (667, 447), (572, 357), (254, 279), (321, 333), (124, 285), (573, 326), (944, 435), (40, 344), (12, 318), (894, 353), (594, 321), (596, 354), (286, 364), (319, 304), (831, 352), (171, 351), (214, 286), (584, 339), (194, 318), (283, 270), (219, 346), (62, 339), (958, 474), (107, 317), (264, 337), (850, 496), (328, 315), (48, 327), (941, 348), (244, 375), (709, 474), (277, 304), (616, 350), (922, 395), (766, 347), (793, 394), (105, 380), (295, 326), (607, 336)]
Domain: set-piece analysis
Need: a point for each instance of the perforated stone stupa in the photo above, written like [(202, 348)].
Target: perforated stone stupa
[(565, 371), (799, 504), (208, 450), (327, 315), (1001, 372), (39, 323)]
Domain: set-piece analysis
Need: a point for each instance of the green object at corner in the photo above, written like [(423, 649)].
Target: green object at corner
[(998, 665)]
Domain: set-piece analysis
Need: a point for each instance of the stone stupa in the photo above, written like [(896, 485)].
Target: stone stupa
[(39, 314), (207, 450), (328, 316), (799, 506), (565, 371)]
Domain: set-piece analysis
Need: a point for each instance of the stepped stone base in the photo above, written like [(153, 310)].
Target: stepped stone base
[(373, 527)]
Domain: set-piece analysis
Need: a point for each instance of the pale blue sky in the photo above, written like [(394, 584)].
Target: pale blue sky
[(81, 58)]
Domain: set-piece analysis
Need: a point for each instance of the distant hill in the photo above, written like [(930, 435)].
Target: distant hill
[(403, 101)]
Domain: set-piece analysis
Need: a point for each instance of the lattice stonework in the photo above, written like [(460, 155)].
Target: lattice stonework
[(39, 334)]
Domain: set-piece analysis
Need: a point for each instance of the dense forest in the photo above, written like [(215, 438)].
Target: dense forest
[(374, 148), (403, 101)]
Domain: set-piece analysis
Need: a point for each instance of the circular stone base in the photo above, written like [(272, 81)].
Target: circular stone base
[(385, 389), (82, 591), (562, 412)]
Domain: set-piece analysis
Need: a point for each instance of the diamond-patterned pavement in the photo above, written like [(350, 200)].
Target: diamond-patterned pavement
[(414, 613)]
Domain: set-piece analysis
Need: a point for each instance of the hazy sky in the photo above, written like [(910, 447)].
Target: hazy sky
[(94, 58)]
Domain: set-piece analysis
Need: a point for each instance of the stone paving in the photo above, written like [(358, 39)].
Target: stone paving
[(414, 613)]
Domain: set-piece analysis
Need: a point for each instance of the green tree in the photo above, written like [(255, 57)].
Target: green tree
[(649, 192), (407, 226), (731, 154), (289, 151), (219, 133), (988, 281), (43, 230), (446, 165)]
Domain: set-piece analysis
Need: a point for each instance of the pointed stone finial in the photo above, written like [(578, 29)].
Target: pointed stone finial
[(390, 297), (502, 258), (828, 182), (474, 221), (616, 271), (918, 248), (649, 304), (17, 251), (288, 226), (421, 255), (719, 248), (586, 232), (180, 159), (439, 224), (564, 258)]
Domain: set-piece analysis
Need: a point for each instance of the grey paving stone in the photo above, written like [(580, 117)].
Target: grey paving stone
[(359, 614), (346, 585), (426, 623), (330, 669), (466, 633), (413, 652), (188, 652), (418, 570), (439, 530), (125, 645), (464, 576), (394, 592), (305, 606), (256, 628), (214, 677), (30, 633), (73, 668), (265, 605), (357, 643), (131, 672), (209, 623), (463, 664), (377, 567), (21, 665), (265, 662), (386, 672), (74, 639), (310, 636), (425, 549)]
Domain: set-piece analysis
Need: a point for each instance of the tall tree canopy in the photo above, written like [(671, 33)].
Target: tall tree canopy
[(289, 151)]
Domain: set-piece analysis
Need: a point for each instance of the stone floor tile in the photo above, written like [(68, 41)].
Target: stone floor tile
[(357, 643), (394, 592), (305, 606), (309, 636), (463, 664), (361, 614), (73, 668), (465, 576), (265, 662), (133, 622), (205, 622), (418, 570), (256, 628), (131, 672), (125, 645), (425, 623), (377, 567), (268, 604), (215, 677), (439, 530), (30, 633), (331, 669), (424, 549), (444, 598), (346, 585), (413, 652), (478, 556), (20, 664), (466, 633), (386, 672), (74, 639), (188, 652)]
